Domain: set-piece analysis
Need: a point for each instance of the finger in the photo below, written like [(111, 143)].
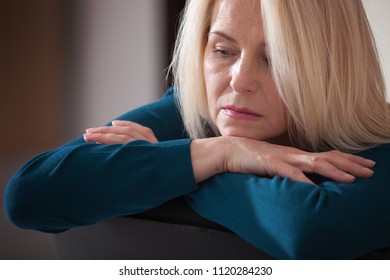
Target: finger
[(133, 130), (320, 165), (124, 131), (357, 159), (115, 130), (145, 131), (331, 171), (109, 138), (333, 166), (351, 167), (108, 130), (124, 123), (287, 170)]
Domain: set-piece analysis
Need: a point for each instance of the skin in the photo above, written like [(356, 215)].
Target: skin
[(244, 105), (238, 77)]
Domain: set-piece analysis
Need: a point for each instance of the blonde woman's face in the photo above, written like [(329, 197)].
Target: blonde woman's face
[(242, 97)]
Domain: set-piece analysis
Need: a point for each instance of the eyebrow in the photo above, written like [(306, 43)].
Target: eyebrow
[(229, 38), (224, 35)]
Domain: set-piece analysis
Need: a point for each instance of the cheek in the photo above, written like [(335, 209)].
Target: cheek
[(277, 109), (281, 116), (212, 102), (213, 76), (216, 82), (210, 90)]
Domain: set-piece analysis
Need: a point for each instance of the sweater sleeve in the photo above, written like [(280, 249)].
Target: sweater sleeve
[(294, 220), (84, 183)]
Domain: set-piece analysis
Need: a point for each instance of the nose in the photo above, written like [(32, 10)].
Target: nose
[(245, 75)]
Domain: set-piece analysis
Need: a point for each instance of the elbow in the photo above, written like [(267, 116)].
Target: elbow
[(23, 200), (17, 207), (24, 205), (312, 232), (35, 197), (306, 249), (315, 239)]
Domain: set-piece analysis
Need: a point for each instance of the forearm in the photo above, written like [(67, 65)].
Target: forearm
[(86, 183), (80, 183), (293, 220), (212, 156), (290, 219)]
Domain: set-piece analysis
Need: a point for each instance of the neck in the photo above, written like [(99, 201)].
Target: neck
[(283, 140)]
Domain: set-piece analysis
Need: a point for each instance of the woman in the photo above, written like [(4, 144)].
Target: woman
[(275, 95)]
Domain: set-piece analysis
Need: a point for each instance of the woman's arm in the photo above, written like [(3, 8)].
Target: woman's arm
[(216, 155), (212, 156), (290, 219), (286, 218), (83, 183)]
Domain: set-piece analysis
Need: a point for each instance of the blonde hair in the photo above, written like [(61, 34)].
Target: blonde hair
[(325, 65), (187, 67)]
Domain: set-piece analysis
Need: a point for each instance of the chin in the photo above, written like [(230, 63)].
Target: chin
[(242, 133), (280, 139)]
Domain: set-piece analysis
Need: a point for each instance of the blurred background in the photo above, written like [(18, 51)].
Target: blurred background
[(67, 65)]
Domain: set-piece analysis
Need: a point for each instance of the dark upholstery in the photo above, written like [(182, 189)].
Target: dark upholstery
[(172, 231)]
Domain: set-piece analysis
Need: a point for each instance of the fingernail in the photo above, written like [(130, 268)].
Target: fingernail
[(89, 130), (349, 176), (373, 163), (369, 171)]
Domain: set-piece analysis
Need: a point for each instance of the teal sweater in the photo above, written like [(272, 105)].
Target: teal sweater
[(85, 183)]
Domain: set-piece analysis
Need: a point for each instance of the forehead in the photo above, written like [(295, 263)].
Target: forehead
[(237, 15)]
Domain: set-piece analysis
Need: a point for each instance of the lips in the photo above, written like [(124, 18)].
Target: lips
[(240, 113)]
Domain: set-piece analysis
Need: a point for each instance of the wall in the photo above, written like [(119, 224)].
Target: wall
[(32, 93), (123, 51), (69, 65), (378, 15)]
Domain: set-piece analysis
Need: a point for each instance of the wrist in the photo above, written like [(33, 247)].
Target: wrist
[(208, 157)]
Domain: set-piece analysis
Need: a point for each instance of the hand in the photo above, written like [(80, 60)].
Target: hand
[(121, 132), (265, 159)]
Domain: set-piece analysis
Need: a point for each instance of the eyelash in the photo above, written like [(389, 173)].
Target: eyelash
[(222, 54)]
